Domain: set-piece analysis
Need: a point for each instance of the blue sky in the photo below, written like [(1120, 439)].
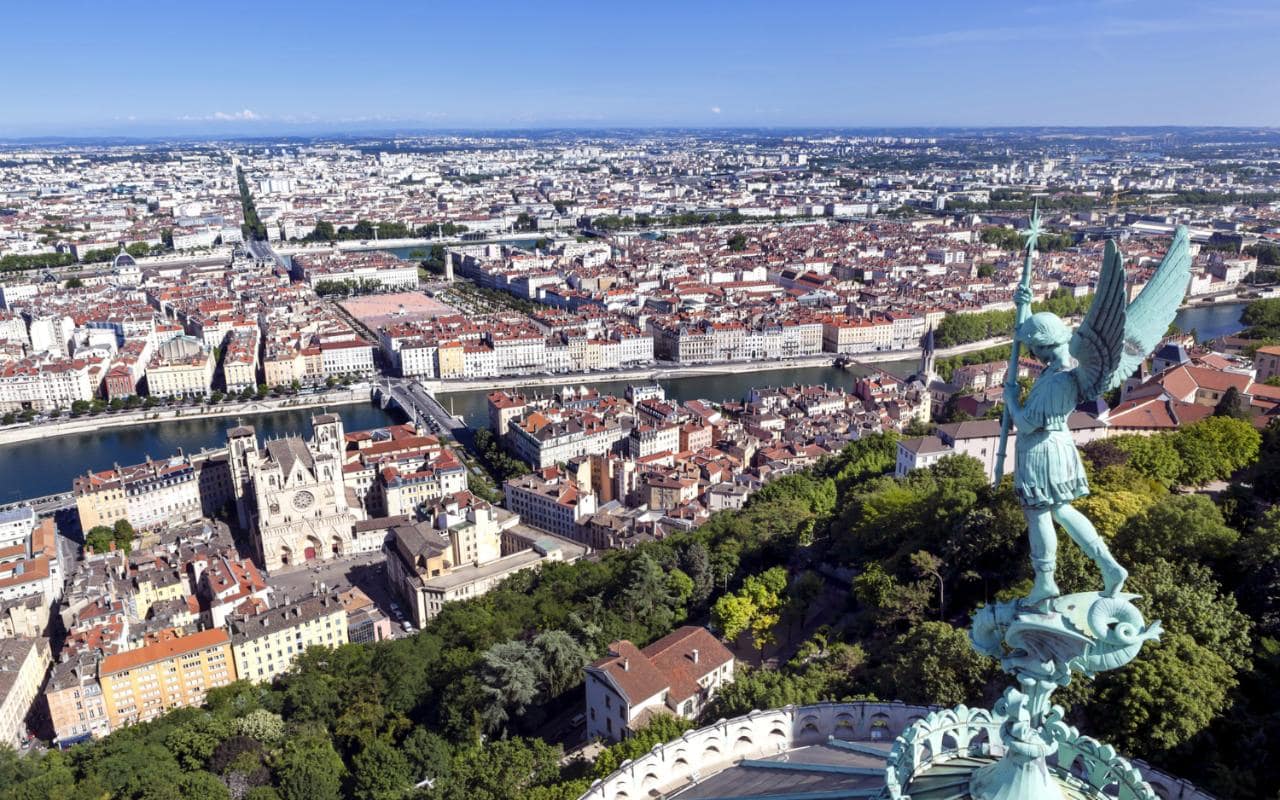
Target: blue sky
[(189, 67)]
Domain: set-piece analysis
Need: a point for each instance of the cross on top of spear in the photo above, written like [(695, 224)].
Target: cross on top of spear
[(1034, 229)]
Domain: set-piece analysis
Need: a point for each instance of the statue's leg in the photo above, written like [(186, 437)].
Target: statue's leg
[(1044, 554), (1082, 532)]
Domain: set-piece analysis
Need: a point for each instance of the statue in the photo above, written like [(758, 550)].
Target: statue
[(1114, 338), (1044, 638)]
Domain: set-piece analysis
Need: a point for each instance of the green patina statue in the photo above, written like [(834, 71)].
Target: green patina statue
[(1045, 637), (1114, 338)]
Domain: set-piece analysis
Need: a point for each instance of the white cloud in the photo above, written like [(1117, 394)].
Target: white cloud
[(715, 109), (222, 116)]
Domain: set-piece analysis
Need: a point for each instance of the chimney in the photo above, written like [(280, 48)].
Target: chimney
[(626, 665), (695, 655)]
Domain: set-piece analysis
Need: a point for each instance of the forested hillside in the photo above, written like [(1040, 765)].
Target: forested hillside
[(462, 702)]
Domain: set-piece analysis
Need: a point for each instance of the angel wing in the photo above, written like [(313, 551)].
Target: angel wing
[(1105, 362), (1097, 345)]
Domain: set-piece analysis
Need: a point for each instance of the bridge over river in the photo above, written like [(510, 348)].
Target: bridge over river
[(418, 404)]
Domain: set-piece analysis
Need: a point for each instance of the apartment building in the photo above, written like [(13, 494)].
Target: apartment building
[(30, 566), (546, 439), (240, 361), (265, 645), (148, 494), (550, 501), (43, 383), (74, 701), (141, 684), (23, 665)]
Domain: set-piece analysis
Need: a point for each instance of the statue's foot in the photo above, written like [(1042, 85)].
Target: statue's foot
[(1044, 589), (1113, 578)]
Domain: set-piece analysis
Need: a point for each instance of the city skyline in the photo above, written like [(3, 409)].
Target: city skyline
[(124, 70)]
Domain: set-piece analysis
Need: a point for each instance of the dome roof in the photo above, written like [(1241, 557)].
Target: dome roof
[(123, 259), (180, 348)]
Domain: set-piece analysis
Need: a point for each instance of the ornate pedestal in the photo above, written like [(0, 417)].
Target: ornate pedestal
[(1041, 647)]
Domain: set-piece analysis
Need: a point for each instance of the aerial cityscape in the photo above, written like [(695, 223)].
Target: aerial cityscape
[(551, 440)]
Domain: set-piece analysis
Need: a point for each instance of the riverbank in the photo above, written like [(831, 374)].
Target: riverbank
[(107, 420), (651, 374)]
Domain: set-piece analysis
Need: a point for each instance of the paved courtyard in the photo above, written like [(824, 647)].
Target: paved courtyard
[(376, 310)]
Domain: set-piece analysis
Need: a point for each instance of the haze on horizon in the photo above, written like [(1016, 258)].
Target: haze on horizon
[(243, 69)]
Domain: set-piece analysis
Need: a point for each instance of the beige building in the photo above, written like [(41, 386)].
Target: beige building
[(458, 554), (1267, 362), (23, 664), (73, 698), (181, 366), (142, 684), (265, 645), (147, 495), (282, 366)]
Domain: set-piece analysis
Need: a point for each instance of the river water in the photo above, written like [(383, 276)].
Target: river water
[(46, 466), (41, 467)]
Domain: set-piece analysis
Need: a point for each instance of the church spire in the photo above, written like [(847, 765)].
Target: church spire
[(927, 357)]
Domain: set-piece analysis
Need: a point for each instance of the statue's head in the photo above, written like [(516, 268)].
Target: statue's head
[(1043, 333)]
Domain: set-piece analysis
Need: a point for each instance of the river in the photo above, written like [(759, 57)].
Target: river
[(47, 466), (1212, 320), (42, 467)]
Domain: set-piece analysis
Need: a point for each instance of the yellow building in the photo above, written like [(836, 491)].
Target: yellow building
[(100, 504), (142, 684), (265, 645), (451, 358), (155, 586), (282, 366)]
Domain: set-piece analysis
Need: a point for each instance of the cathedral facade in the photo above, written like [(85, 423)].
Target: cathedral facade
[(290, 495)]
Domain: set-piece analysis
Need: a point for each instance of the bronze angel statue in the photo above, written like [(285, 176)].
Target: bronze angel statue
[(1112, 341)]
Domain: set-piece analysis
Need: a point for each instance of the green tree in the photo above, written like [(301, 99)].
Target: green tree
[(732, 614), (510, 683), (428, 753), (561, 661), (934, 663), (379, 772), (648, 596), (1185, 528), (660, 729), (499, 770), (100, 538), (1154, 456), (309, 768), (1187, 599), (695, 561), (1215, 448), (1170, 693)]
